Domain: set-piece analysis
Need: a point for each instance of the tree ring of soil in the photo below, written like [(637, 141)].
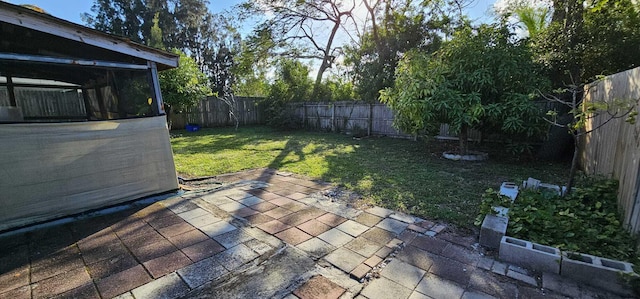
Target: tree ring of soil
[(470, 156)]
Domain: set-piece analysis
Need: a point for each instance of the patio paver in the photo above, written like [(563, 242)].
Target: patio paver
[(263, 232), (319, 287)]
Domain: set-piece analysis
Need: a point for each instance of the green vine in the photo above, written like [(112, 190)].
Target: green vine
[(491, 198), (585, 221)]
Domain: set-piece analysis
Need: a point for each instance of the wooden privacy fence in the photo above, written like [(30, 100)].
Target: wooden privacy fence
[(350, 117), (614, 149), (358, 118), (47, 103), (213, 112)]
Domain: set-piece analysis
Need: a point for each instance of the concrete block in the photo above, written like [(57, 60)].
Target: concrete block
[(501, 211), (531, 183), (492, 230), (392, 225), (596, 271), (509, 189), (530, 255), (550, 187)]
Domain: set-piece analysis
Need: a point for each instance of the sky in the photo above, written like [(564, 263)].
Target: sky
[(71, 10)]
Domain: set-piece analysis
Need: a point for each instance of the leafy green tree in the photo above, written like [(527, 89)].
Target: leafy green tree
[(128, 18), (481, 79), (612, 29), (155, 35), (337, 89), (534, 19), (252, 62), (184, 86), (292, 84)]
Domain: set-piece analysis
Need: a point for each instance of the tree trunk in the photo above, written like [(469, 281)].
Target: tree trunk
[(574, 164), (327, 60), (464, 136)]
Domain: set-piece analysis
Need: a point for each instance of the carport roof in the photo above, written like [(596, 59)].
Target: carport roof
[(28, 32)]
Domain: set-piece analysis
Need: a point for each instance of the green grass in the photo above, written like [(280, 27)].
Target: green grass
[(394, 173)]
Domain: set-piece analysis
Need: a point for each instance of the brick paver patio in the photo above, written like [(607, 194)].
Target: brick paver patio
[(200, 239)]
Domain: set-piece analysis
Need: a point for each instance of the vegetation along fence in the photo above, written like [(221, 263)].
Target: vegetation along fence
[(214, 112), (614, 148), (357, 118)]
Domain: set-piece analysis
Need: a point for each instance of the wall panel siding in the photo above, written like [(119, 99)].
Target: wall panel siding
[(57, 169), (614, 149)]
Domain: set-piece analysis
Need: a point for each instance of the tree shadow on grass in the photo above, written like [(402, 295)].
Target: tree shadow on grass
[(395, 173), (407, 176)]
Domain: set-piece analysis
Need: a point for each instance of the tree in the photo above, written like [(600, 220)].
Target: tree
[(481, 79), (588, 39), (534, 19), (186, 25), (252, 63), (394, 28), (155, 35), (612, 29), (292, 84), (184, 86), (581, 112), (530, 15), (297, 28)]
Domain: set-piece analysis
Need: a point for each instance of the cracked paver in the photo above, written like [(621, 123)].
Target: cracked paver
[(260, 234)]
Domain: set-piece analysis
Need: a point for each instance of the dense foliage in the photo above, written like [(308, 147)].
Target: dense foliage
[(184, 86), (582, 42), (292, 84), (396, 29), (480, 79), (586, 221)]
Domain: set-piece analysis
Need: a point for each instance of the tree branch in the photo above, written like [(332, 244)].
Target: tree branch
[(608, 120)]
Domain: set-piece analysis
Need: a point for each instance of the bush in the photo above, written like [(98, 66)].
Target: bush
[(283, 118)]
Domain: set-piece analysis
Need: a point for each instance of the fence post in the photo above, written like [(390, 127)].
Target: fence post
[(304, 114), (333, 118), (370, 120)]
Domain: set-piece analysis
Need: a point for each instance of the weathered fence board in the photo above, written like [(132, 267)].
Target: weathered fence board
[(47, 102), (350, 117), (614, 149), (213, 112), (358, 118)]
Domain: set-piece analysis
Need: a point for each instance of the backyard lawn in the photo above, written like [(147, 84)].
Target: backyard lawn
[(394, 173)]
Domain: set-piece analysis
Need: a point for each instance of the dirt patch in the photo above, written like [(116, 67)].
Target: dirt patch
[(342, 196)]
